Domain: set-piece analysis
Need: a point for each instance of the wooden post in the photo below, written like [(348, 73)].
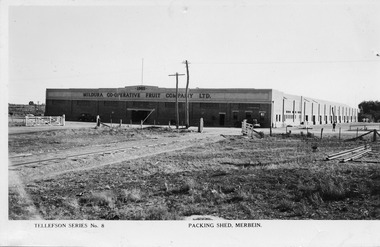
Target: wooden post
[(187, 97), (141, 124), (63, 119), (200, 127), (121, 121), (271, 118), (339, 132), (374, 135), (176, 98), (321, 133), (283, 111), (97, 121), (270, 130)]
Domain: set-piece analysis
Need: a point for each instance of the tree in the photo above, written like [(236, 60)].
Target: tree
[(370, 109), (31, 103)]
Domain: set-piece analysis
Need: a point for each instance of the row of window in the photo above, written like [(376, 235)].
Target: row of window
[(336, 118), (293, 111), (287, 116)]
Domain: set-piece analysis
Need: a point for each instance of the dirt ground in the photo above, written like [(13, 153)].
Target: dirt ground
[(159, 173)]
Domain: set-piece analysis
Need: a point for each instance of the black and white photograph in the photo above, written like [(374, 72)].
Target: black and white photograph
[(190, 123)]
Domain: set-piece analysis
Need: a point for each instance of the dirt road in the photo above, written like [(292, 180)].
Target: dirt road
[(49, 164)]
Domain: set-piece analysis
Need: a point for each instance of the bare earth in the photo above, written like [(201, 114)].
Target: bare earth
[(162, 174)]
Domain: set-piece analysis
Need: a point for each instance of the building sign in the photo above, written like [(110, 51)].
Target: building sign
[(156, 94), (92, 95), (145, 95)]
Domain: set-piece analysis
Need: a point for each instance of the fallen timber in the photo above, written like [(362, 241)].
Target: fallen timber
[(356, 156), (346, 152), (350, 154)]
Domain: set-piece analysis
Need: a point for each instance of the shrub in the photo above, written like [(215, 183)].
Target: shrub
[(133, 195), (98, 199), (187, 186), (309, 135), (285, 205), (331, 189), (160, 213), (261, 134)]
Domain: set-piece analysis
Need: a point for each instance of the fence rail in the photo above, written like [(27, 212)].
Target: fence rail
[(45, 120), (365, 126), (247, 129)]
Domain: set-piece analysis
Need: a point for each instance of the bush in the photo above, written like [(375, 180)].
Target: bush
[(133, 195), (285, 205), (309, 135), (332, 190), (98, 199), (261, 134), (159, 213)]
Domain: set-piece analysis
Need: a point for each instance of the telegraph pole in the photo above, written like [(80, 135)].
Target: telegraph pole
[(176, 97), (187, 96)]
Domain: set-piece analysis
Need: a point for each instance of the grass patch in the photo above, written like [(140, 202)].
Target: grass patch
[(294, 183)]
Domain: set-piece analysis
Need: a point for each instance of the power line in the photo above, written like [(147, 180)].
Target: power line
[(285, 62)]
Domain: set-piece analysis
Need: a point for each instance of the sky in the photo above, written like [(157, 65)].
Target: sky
[(321, 49)]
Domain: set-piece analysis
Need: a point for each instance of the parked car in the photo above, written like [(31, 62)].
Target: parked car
[(86, 117)]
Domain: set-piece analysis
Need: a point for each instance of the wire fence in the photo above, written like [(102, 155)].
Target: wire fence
[(45, 120)]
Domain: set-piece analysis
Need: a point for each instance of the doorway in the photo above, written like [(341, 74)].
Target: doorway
[(222, 118), (137, 115)]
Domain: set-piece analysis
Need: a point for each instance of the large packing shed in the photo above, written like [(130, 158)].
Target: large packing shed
[(217, 107)]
